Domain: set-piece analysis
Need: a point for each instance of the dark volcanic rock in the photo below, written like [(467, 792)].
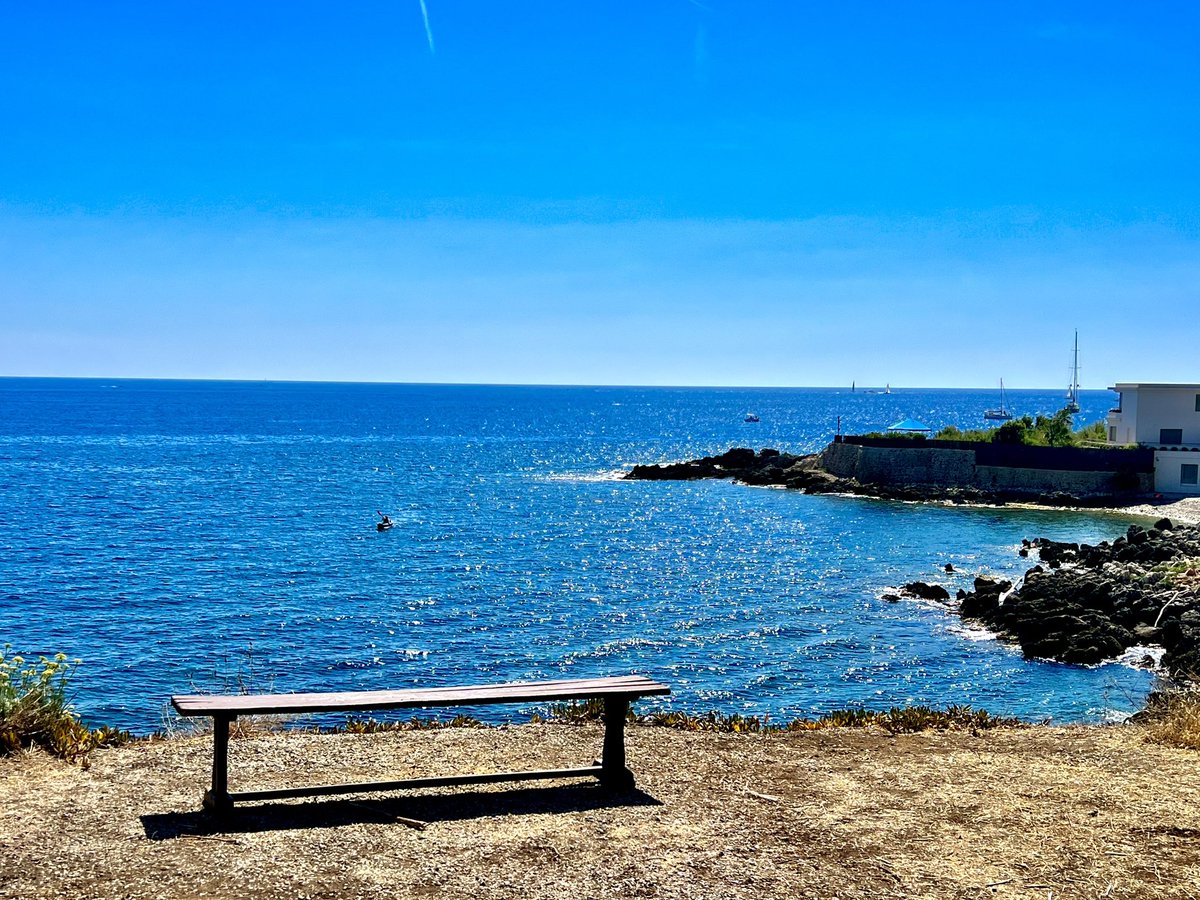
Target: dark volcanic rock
[(1181, 637), (926, 591), (765, 467), (1098, 601), (984, 600)]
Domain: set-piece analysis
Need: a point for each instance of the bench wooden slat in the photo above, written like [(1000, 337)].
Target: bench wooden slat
[(357, 701)]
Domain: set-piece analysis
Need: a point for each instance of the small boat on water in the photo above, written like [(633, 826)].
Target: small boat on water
[(1002, 414), (750, 417), (384, 526)]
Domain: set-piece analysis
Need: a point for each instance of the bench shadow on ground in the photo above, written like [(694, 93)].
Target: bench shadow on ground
[(410, 810)]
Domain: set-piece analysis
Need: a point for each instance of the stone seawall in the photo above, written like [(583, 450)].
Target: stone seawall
[(1005, 478), (948, 468), (885, 465)]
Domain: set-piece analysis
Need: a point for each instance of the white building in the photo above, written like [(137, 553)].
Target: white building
[(1167, 418)]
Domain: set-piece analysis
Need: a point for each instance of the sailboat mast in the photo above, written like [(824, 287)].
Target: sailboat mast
[(1075, 370), (1073, 391)]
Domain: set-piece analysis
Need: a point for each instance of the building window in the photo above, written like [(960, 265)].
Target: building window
[(1112, 434), (1188, 472), (1198, 403), (1170, 435)]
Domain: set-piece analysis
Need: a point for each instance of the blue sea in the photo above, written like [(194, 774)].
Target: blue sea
[(185, 535)]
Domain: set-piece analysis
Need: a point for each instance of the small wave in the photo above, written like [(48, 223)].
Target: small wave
[(607, 475), (1111, 716), (922, 602), (973, 632), (1142, 657), (412, 653), (613, 648), (356, 664)]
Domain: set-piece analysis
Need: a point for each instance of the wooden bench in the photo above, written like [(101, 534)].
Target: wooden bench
[(617, 693)]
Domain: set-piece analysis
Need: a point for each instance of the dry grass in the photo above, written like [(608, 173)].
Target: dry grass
[(847, 813), (1173, 718)]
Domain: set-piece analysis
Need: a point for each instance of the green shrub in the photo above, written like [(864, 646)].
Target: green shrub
[(1096, 433), (1014, 431), (35, 710), (416, 723), (1055, 430), (897, 720), (1043, 431), (978, 435)]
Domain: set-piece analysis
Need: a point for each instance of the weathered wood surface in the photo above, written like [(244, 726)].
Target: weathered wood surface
[(468, 695)]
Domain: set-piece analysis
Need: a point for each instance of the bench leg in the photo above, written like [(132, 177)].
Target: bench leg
[(614, 775), (217, 798)]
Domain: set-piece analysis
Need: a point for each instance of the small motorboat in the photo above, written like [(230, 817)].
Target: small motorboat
[(750, 417)]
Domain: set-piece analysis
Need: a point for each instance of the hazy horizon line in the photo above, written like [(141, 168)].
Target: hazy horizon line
[(536, 384)]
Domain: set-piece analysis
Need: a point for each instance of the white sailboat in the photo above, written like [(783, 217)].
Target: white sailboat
[(1002, 414), (1073, 390)]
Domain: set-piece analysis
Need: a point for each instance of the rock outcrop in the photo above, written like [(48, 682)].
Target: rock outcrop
[(926, 591), (1086, 603)]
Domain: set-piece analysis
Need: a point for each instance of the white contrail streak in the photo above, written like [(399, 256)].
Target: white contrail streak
[(428, 30)]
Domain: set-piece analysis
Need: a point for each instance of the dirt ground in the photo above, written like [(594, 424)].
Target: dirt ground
[(1039, 812)]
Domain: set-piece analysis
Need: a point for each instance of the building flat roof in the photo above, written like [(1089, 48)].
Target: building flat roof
[(1150, 386)]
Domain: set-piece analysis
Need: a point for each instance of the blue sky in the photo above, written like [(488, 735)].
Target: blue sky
[(666, 192)]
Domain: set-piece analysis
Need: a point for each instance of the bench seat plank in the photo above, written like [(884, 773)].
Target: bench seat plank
[(467, 695)]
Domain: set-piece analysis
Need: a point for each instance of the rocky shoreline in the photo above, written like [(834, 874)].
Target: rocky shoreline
[(806, 473), (1081, 604), (1085, 604)]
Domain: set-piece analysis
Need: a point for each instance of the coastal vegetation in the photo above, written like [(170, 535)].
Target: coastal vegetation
[(897, 720), (35, 709), (1031, 431)]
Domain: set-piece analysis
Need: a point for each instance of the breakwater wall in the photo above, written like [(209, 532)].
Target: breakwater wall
[(990, 467)]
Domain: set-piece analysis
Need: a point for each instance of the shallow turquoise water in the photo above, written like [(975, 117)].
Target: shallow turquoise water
[(180, 535)]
